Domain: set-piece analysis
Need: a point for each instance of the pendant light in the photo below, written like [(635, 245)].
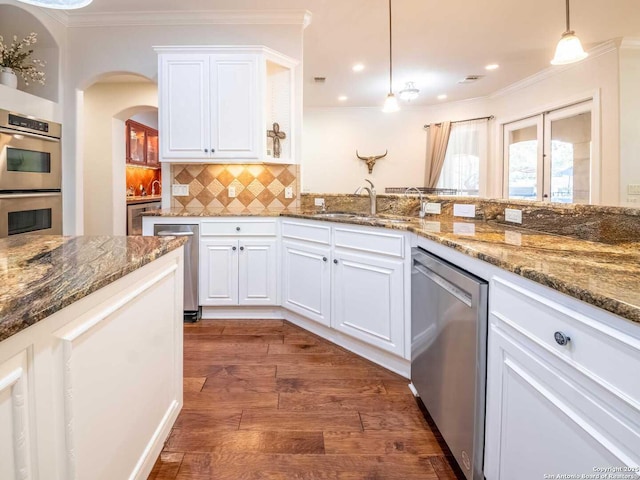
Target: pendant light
[(409, 92), (569, 49), (391, 103), (58, 4)]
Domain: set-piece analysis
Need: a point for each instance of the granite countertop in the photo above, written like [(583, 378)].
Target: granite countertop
[(221, 212), (604, 275), (42, 274), (133, 200)]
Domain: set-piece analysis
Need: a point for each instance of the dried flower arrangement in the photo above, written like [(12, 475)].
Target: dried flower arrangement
[(16, 56)]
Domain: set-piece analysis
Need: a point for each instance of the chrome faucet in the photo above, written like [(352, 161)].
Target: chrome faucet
[(153, 187), (422, 211), (372, 195)]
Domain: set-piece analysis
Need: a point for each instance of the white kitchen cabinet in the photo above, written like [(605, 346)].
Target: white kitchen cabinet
[(556, 408), (368, 299), (217, 103), (306, 281), (238, 262)]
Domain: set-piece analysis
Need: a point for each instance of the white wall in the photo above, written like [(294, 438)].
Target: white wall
[(106, 107), (332, 136), (150, 119), (94, 51), (629, 121)]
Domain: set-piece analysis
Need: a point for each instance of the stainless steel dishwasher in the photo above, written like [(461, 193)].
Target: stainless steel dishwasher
[(448, 354), (192, 311)]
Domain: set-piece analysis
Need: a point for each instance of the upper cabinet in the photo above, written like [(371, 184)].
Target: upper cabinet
[(142, 145), (220, 104)]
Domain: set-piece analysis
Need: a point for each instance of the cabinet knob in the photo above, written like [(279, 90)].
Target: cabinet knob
[(233, 248), (561, 338), (213, 150), (237, 229), (324, 259), (241, 249), (206, 150), (335, 260)]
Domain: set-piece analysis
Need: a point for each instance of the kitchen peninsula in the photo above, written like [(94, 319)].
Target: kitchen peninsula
[(90, 354)]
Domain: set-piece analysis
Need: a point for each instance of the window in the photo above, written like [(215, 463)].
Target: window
[(466, 147), (548, 156)]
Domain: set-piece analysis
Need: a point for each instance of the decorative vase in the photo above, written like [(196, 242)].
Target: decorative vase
[(8, 77)]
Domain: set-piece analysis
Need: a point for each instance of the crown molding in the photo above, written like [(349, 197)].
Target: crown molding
[(603, 48), (260, 49), (630, 42), (194, 17)]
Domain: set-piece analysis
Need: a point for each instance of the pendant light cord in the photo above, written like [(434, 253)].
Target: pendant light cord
[(568, 26), (391, 50)]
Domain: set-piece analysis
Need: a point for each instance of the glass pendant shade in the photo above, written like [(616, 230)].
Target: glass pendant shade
[(410, 92), (569, 50), (58, 4), (391, 104)]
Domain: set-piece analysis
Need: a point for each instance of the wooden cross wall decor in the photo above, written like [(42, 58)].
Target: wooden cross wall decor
[(277, 135)]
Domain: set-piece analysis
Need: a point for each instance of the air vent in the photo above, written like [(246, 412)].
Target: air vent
[(319, 79), (471, 78)]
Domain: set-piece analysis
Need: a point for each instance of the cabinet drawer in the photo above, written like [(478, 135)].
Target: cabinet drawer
[(310, 232), (604, 354), (369, 241), (232, 227)]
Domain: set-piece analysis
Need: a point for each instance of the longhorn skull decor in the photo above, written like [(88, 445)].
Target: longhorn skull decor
[(371, 161)]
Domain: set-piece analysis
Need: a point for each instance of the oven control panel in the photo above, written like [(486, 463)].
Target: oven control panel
[(29, 123)]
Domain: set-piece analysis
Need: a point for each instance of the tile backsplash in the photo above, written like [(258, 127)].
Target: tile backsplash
[(138, 176), (256, 186)]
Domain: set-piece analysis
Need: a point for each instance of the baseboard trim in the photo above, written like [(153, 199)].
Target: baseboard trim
[(237, 313)]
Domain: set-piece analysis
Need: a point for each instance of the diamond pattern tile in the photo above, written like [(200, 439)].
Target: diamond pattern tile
[(206, 177), (276, 187), (245, 178), (225, 177), (184, 177)]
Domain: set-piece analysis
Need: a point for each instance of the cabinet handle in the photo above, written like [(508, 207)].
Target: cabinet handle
[(241, 249), (335, 261), (237, 229), (324, 259), (233, 248), (561, 338)]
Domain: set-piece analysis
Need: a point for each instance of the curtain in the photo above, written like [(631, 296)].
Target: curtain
[(466, 151), (437, 141)]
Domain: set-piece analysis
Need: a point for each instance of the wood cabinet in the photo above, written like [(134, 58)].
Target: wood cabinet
[(214, 104), (141, 145), (556, 407), (238, 263)]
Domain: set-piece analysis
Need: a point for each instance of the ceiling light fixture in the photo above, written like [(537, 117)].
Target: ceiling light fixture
[(442, 97), (569, 49), (358, 67), (409, 92), (58, 4), (391, 103), (492, 66)]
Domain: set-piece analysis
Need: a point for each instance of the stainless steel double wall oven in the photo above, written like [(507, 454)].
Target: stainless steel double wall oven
[(30, 175)]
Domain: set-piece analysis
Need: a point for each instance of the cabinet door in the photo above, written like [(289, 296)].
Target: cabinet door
[(258, 272), (368, 294), (306, 281), (152, 148), (136, 140), (184, 106), (235, 107), (218, 272), (538, 423)]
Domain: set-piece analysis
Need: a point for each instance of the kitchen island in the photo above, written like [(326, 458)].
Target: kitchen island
[(90, 354)]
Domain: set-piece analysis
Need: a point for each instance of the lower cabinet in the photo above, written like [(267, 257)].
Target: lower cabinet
[(558, 397), (237, 271), (306, 280), (368, 299)]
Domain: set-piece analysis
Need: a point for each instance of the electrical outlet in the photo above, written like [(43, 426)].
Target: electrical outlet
[(513, 215), (318, 202), (432, 208), (633, 189), (232, 192), (464, 210), (288, 192), (178, 190)]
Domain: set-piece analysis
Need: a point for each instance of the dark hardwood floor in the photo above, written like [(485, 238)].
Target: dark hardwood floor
[(264, 399)]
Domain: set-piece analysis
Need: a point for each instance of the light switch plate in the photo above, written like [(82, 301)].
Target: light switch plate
[(464, 210), (288, 192), (432, 208), (178, 190), (513, 215), (232, 192), (318, 202)]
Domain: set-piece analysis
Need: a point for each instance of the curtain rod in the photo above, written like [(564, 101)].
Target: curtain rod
[(491, 117)]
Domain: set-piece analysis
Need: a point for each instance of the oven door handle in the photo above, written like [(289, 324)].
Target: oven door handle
[(167, 233), (8, 131)]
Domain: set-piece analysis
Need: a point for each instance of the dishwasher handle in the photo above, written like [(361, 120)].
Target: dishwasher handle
[(167, 233), (445, 284)]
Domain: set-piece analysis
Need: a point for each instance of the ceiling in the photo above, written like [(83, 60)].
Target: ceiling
[(435, 43)]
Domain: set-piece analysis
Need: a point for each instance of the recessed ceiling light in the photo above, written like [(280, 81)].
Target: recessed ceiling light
[(343, 98), (442, 97), (358, 67), (492, 66)]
